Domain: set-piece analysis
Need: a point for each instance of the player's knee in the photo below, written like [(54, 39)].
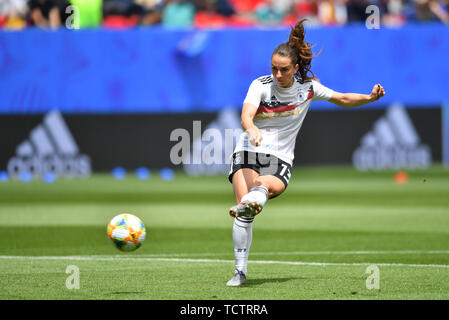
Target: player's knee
[(273, 188), (275, 191), (260, 182)]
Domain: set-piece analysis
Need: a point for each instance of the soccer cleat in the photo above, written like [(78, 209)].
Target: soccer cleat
[(238, 279), (245, 209)]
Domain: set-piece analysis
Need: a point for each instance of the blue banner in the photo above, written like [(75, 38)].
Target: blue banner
[(155, 70)]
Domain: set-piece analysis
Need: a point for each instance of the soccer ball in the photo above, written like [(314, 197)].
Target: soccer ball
[(126, 231)]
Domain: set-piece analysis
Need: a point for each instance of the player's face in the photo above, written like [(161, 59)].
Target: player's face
[(283, 70)]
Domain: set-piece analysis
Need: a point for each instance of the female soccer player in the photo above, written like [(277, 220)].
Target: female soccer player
[(272, 114)]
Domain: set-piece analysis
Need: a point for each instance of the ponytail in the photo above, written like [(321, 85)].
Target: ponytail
[(298, 50)]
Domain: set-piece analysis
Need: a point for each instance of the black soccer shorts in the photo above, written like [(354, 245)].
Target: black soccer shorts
[(264, 164)]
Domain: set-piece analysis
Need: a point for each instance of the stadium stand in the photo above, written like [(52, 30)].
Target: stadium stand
[(123, 14)]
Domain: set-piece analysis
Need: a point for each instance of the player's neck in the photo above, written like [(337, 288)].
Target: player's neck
[(289, 85)]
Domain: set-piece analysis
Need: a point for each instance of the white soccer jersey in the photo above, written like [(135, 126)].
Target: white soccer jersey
[(280, 114)]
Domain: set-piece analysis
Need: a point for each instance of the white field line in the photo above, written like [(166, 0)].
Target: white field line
[(298, 263), (304, 253)]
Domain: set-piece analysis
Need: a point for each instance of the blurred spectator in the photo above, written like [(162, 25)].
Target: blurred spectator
[(272, 12), (303, 9), (208, 14), (129, 13), (223, 7), (326, 12), (426, 11), (13, 13), (122, 8), (341, 11), (178, 13), (48, 13), (218, 14), (17, 14), (392, 13), (152, 11), (45, 14), (245, 6), (119, 14), (357, 10)]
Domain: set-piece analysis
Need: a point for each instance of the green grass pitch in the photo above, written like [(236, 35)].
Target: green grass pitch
[(315, 241)]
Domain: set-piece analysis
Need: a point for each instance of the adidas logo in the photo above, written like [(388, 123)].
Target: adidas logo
[(50, 148), (274, 102), (392, 143)]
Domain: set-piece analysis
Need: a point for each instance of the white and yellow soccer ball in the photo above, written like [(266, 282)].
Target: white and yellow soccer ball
[(126, 231)]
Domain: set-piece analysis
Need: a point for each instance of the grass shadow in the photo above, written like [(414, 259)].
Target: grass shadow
[(128, 292), (258, 282)]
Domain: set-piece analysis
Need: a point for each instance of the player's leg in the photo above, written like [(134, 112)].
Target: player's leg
[(251, 195), (245, 180), (273, 184), (244, 171), (273, 178), (242, 180), (251, 191)]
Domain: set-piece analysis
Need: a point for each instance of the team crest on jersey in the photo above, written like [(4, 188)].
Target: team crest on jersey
[(237, 159)]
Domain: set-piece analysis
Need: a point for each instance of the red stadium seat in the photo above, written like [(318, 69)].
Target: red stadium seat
[(305, 8), (239, 21), (214, 20), (205, 19), (120, 22), (245, 5), (3, 20)]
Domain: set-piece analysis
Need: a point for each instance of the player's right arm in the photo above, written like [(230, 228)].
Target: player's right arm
[(248, 112)]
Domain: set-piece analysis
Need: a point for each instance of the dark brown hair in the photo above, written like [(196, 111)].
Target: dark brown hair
[(298, 50)]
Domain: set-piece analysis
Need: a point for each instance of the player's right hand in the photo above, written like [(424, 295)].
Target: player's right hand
[(254, 136)]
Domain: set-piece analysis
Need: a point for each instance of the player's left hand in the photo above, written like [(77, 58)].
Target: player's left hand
[(377, 93)]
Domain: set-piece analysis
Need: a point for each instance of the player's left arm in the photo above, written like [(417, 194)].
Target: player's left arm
[(357, 99)]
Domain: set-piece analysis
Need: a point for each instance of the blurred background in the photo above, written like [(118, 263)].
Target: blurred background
[(100, 85), (106, 104)]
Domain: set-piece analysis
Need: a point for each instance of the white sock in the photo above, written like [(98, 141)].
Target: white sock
[(242, 236), (242, 231), (249, 239), (258, 194)]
